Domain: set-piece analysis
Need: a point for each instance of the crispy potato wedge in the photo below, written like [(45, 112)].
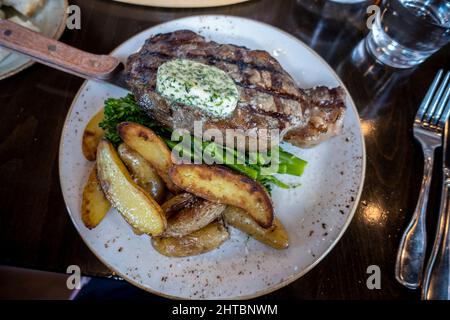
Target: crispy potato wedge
[(145, 142), (94, 205), (142, 172), (198, 242), (221, 185), (193, 217), (178, 202), (138, 208), (92, 135), (275, 236)]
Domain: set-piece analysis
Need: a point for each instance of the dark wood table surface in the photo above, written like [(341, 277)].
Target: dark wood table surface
[(36, 231)]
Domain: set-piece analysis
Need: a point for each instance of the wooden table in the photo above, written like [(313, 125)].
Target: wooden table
[(35, 229)]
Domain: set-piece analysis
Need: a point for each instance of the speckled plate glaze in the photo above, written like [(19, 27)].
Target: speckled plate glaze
[(51, 20), (315, 214)]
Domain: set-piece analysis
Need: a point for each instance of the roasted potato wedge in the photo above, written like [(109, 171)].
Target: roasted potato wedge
[(92, 135), (94, 205), (145, 142), (221, 185), (138, 208), (275, 236), (142, 172), (178, 202), (193, 217), (198, 242)]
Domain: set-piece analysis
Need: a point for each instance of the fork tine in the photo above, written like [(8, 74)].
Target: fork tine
[(437, 102), (446, 112), (426, 100), (442, 105)]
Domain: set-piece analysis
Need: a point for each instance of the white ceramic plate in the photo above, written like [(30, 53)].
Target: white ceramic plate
[(51, 20), (316, 214)]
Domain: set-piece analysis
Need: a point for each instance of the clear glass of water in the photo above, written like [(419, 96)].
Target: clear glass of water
[(406, 32)]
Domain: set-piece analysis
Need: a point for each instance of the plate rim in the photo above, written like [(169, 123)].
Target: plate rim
[(56, 36), (290, 279), (181, 4)]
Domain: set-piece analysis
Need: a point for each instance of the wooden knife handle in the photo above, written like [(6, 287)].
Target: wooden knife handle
[(54, 53)]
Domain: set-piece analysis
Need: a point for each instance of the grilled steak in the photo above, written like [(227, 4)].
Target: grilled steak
[(269, 99)]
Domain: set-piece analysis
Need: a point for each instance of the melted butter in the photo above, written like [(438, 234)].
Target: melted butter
[(198, 85)]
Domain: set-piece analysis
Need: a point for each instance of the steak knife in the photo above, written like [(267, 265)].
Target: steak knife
[(437, 275), (60, 56)]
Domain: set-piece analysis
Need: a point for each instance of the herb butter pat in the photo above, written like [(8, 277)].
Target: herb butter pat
[(198, 85)]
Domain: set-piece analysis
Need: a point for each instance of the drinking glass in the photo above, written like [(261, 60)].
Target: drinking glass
[(406, 32)]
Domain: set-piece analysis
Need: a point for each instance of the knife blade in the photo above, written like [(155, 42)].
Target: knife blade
[(446, 148), (117, 77), (61, 56)]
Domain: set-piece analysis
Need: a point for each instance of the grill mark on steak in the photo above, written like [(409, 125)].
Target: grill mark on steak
[(276, 83), (175, 39), (214, 60), (269, 98)]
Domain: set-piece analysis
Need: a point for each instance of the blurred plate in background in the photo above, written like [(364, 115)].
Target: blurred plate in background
[(51, 20), (183, 3)]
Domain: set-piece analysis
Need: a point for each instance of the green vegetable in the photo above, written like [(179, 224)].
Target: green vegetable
[(121, 110), (255, 165)]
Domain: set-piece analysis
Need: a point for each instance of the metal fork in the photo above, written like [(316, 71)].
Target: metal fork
[(436, 282), (428, 127)]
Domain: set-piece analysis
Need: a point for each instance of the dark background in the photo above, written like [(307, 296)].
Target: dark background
[(36, 231)]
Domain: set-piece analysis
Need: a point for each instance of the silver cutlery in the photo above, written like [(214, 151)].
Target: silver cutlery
[(428, 127), (436, 284)]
